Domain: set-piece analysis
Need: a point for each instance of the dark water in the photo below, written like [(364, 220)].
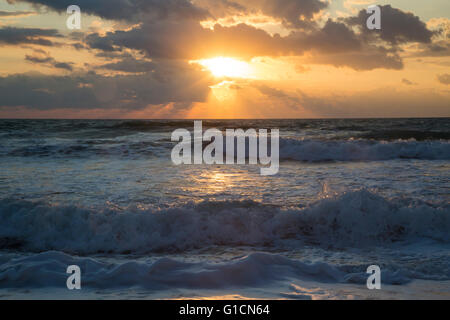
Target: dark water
[(349, 193)]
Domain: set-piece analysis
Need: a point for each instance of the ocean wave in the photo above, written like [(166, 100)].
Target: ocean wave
[(392, 135), (353, 219), (253, 270), (163, 273), (362, 150), (130, 147), (308, 150)]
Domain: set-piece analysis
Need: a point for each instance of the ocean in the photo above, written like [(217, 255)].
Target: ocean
[(105, 195)]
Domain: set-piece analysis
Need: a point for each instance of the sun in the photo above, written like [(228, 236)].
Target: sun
[(227, 67)]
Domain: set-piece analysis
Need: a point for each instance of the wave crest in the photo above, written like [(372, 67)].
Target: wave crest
[(353, 219)]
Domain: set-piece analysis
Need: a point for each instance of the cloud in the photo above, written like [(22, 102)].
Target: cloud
[(183, 37), (335, 43), (293, 13), (221, 8), (43, 57), (144, 64), (16, 14), (17, 36), (63, 65), (333, 37), (408, 82), (441, 26), (369, 58), (129, 64), (189, 40), (444, 78), (436, 49), (397, 26), (170, 82), (128, 10), (37, 59)]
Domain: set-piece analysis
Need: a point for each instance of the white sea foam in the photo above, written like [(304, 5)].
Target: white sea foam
[(250, 271), (353, 219), (256, 269)]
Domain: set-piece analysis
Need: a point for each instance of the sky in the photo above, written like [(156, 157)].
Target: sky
[(200, 59)]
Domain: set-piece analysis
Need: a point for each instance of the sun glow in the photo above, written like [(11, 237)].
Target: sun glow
[(227, 67)]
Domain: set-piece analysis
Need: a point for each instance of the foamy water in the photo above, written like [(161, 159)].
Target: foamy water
[(104, 195)]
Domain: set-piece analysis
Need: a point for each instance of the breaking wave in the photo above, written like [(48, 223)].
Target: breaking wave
[(353, 219), (309, 150)]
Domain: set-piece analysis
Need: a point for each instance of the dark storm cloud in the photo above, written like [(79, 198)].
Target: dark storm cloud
[(333, 37), (335, 44), (338, 45), (176, 82), (188, 40), (94, 41), (127, 9), (397, 26), (176, 36), (17, 36)]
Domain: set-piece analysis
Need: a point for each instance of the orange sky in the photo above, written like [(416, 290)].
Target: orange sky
[(218, 59)]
